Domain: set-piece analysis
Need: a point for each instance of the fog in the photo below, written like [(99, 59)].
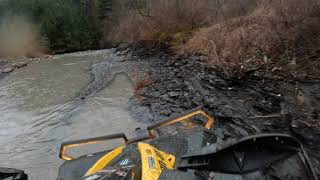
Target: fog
[(19, 37)]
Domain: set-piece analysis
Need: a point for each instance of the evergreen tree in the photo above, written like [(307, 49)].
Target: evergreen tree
[(65, 25)]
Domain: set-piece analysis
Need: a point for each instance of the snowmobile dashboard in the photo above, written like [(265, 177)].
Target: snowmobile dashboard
[(253, 155)]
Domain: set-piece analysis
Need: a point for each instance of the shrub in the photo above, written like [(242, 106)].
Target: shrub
[(140, 84), (163, 20), (159, 20), (273, 30), (237, 36)]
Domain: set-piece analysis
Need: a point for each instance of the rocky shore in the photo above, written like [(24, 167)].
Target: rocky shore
[(251, 105), (7, 67)]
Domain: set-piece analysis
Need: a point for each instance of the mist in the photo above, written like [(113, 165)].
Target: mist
[(19, 38)]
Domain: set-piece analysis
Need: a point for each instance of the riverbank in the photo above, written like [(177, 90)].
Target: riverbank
[(165, 84), (7, 67), (258, 103)]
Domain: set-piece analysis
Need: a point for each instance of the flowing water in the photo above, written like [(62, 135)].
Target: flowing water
[(40, 109)]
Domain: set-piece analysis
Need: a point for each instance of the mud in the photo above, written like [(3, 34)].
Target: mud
[(251, 105)]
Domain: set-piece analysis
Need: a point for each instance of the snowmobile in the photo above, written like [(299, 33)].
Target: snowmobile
[(166, 151)]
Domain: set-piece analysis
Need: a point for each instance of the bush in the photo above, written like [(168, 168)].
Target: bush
[(159, 20), (236, 36), (172, 21), (274, 30)]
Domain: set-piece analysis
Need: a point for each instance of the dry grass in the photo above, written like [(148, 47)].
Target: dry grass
[(236, 35), (18, 37), (160, 20), (171, 21), (139, 85), (273, 30)]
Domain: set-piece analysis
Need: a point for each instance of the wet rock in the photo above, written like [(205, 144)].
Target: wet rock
[(183, 83), (204, 87), (122, 47), (308, 131), (8, 70), (6, 67), (241, 131), (173, 94), (20, 64)]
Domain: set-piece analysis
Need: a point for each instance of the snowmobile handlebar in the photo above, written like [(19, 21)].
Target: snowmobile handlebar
[(151, 132), (182, 117), (67, 145)]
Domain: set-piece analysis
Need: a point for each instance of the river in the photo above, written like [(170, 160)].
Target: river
[(40, 108)]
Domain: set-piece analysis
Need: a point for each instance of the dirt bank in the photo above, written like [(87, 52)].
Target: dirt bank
[(253, 105)]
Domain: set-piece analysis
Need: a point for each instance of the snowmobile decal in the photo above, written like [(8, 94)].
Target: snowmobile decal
[(154, 161)]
